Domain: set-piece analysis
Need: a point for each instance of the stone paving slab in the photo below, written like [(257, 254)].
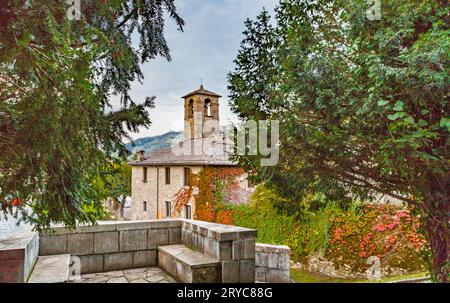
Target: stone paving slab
[(139, 275), (51, 269)]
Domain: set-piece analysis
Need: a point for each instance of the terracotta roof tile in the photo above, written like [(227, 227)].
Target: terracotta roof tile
[(166, 157), (201, 91)]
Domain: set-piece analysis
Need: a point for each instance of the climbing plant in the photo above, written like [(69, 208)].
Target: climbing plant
[(209, 189)]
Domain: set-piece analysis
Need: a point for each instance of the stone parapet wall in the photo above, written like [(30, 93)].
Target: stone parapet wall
[(124, 245), (272, 263), (112, 245)]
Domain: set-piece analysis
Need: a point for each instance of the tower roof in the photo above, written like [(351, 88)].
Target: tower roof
[(201, 91)]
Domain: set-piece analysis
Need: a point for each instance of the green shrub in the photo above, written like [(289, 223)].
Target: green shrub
[(272, 227), (345, 236)]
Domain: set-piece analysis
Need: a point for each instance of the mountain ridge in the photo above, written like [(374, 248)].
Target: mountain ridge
[(152, 143)]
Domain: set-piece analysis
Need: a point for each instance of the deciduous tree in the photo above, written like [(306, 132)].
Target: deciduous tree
[(363, 105)]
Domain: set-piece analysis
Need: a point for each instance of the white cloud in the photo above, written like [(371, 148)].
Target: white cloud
[(205, 50)]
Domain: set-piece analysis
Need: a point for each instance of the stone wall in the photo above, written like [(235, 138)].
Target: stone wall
[(155, 191), (233, 246), (113, 246), (18, 253), (272, 263), (123, 245)]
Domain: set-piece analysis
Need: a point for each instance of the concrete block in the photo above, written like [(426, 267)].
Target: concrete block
[(106, 242), (225, 251), (183, 272), (101, 227), (186, 238), (58, 230), (199, 243), (31, 254), (273, 260), (91, 264), (247, 271), (213, 234), (230, 272), (211, 247), (186, 226), (261, 259), (194, 228), (277, 276), (12, 271), (183, 236), (118, 261), (157, 237), (238, 249), (260, 274), (280, 249), (284, 262), (80, 244), (205, 275), (203, 231), (18, 253), (174, 235), (192, 239), (248, 234), (167, 263), (166, 223), (132, 240), (249, 248), (144, 258), (52, 245), (51, 269), (134, 225), (227, 236)]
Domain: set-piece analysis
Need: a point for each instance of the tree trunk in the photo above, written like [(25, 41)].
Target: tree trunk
[(438, 232)]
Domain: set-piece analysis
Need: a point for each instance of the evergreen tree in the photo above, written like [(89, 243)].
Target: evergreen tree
[(58, 75)]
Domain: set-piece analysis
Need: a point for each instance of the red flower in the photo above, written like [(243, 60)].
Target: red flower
[(16, 202)]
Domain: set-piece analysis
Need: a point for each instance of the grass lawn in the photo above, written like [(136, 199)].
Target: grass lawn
[(302, 276)]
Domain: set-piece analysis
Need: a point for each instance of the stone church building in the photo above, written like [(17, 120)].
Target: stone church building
[(158, 176)]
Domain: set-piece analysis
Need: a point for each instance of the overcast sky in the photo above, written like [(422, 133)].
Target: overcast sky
[(205, 50)]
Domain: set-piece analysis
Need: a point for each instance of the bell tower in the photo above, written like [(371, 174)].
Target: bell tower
[(200, 106)]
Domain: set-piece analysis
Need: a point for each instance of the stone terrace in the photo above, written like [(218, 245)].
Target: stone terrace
[(190, 251), (163, 251)]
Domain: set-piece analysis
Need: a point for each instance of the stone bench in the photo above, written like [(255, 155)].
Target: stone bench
[(51, 269), (187, 265), (233, 247)]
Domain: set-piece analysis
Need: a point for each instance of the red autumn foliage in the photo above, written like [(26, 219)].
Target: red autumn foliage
[(212, 183), (384, 231), (16, 202)]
